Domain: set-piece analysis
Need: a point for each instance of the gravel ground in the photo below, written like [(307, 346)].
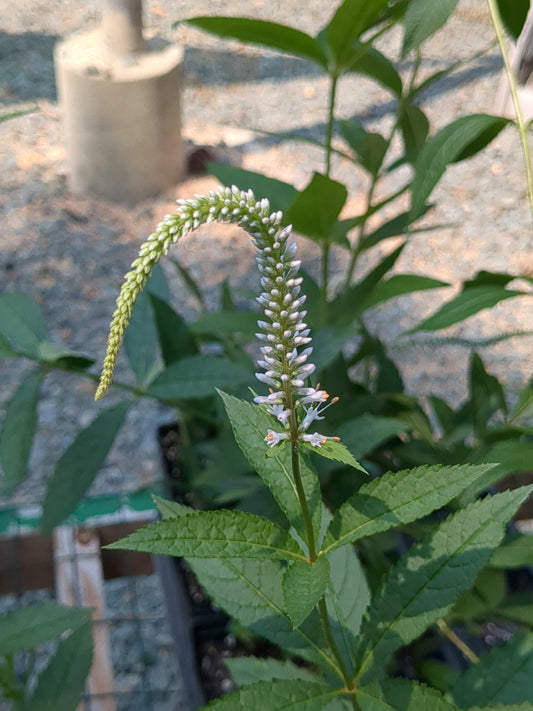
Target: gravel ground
[(70, 252)]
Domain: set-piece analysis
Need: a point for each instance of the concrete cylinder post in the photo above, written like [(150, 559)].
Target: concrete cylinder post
[(120, 97)]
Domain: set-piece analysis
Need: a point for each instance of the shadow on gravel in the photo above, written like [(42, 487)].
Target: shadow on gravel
[(26, 67), (217, 67)]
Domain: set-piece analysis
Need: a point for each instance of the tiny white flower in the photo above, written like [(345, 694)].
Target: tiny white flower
[(315, 439), (272, 438), (280, 413)]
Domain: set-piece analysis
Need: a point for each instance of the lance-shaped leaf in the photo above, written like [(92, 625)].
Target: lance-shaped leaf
[(316, 208), (337, 452), (250, 591), (504, 675), (250, 424), (375, 65), (470, 301), (398, 498), (304, 583), (22, 323), (279, 695), (175, 337), (346, 26), (401, 695), (32, 626), (423, 19), (401, 284), (268, 34), (211, 534), (79, 464), (423, 586), (18, 429), (196, 377), (456, 141), (279, 193), (61, 683)]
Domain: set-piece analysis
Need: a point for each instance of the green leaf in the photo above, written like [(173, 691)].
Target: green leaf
[(396, 226), (399, 284), (250, 424), (364, 434), (269, 34), (414, 125), (316, 208), (486, 395), (208, 534), (175, 337), (278, 695), (279, 194), (327, 341), (456, 141), (5, 349), (170, 509), (524, 407), (304, 583), (34, 625), (504, 675), (469, 302), (346, 26), (398, 498), (226, 322), (515, 552), (371, 63), (401, 695), (517, 607), (513, 14), (62, 682), (50, 353), (18, 430), (337, 452), (140, 338), (423, 19), (370, 148), (79, 464), (248, 670), (503, 707), (196, 377), (423, 586), (22, 323)]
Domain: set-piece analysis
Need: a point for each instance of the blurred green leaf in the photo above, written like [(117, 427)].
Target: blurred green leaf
[(518, 607), (189, 282), (279, 194), (363, 434), (226, 322), (370, 148), (524, 407), (423, 19), (399, 284), (31, 626), (456, 141), (469, 302), (62, 681), (79, 464), (486, 395), (515, 552), (175, 337), (374, 65), (196, 377), (347, 25), (269, 34), (414, 125), (513, 14), (50, 353), (18, 430), (315, 209), (22, 322)]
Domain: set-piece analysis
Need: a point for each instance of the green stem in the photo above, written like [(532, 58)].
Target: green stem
[(457, 641), (326, 625), (511, 77)]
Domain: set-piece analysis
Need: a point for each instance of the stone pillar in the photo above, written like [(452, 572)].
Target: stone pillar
[(120, 97)]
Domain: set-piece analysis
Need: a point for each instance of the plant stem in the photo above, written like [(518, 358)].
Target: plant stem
[(511, 77), (457, 641)]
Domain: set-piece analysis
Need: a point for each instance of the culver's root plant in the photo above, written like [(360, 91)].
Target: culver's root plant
[(301, 584)]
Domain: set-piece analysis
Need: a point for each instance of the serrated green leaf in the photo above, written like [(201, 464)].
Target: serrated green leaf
[(469, 302), (399, 284), (304, 583), (170, 509), (515, 552), (278, 695), (423, 586), (250, 424), (504, 675), (401, 695), (423, 19), (22, 322), (208, 534), (278, 193), (231, 322), (315, 209), (248, 670), (346, 26), (62, 682), (250, 591), (269, 34), (363, 434), (398, 498), (32, 626), (456, 141), (18, 429), (196, 377), (175, 336), (337, 452), (79, 464)]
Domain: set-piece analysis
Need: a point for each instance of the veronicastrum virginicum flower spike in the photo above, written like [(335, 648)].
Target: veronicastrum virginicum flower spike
[(284, 333)]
